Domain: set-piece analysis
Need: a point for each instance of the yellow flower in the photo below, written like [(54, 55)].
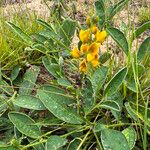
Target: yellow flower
[(90, 57), (95, 62), (84, 35), (83, 66), (94, 48), (84, 48), (94, 29), (75, 53), (100, 36)]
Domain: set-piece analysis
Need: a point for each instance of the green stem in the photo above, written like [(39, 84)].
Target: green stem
[(84, 139), (123, 124), (97, 139), (34, 144)]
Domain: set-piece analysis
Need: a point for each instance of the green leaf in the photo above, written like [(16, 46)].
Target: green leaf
[(104, 57), (130, 135), (40, 47), (119, 140), (130, 84), (144, 49), (115, 82), (119, 38), (45, 24), (118, 98), (20, 33), (25, 124), (73, 145), (64, 82), (100, 10), (99, 126), (98, 78), (117, 7), (52, 89), (29, 102), (59, 109), (39, 38), (52, 68), (15, 72), (87, 92), (141, 29), (67, 31), (60, 95), (29, 79), (130, 111), (110, 105), (9, 148), (54, 142)]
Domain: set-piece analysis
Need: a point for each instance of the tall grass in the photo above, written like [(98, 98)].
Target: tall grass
[(11, 46)]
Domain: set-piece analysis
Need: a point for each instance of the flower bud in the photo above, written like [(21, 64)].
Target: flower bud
[(95, 19), (88, 22)]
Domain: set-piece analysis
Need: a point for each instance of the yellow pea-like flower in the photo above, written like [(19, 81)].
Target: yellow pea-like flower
[(84, 35), (84, 48), (94, 48), (75, 53), (83, 66), (90, 57), (100, 36), (95, 62)]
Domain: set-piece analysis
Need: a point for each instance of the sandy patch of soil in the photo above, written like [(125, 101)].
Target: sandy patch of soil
[(34, 5)]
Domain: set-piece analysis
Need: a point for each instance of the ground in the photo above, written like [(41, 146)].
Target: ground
[(82, 11)]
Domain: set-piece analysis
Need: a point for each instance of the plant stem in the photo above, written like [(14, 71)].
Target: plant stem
[(84, 139)]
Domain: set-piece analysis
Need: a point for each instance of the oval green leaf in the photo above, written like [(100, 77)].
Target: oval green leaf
[(119, 38), (113, 140), (29, 102), (55, 142), (141, 29), (52, 68), (25, 124), (104, 57), (64, 82), (67, 31), (130, 111), (118, 98), (98, 78), (29, 79), (20, 33), (130, 135), (144, 49), (116, 81), (100, 10), (15, 72), (59, 109), (110, 105)]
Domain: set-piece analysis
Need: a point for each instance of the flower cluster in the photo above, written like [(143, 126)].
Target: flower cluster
[(91, 39)]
